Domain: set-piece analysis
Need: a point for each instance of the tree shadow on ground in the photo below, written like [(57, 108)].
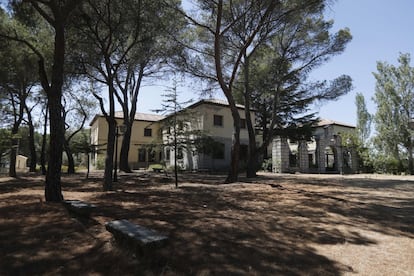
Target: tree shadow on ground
[(222, 232), (266, 227)]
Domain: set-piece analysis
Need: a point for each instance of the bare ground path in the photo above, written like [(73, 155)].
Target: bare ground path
[(273, 225)]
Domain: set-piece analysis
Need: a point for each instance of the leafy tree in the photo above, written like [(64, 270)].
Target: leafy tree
[(51, 73), (125, 43), (363, 130), (279, 89), (17, 79), (80, 144), (77, 108), (178, 125), (5, 144), (363, 119), (151, 23), (100, 27), (394, 97), (32, 134), (44, 148), (218, 51)]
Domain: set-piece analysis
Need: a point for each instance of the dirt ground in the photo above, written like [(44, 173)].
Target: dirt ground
[(272, 225)]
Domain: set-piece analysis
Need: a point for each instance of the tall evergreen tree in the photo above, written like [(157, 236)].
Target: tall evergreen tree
[(225, 32), (364, 119), (394, 97), (56, 15), (121, 43), (275, 78)]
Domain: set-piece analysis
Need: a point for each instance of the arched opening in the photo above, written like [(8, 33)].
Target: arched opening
[(331, 159)]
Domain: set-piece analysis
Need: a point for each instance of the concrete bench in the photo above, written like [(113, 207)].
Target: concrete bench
[(79, 207), (138, 238)]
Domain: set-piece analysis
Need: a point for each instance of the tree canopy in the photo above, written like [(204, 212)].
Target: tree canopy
[(394, 97)]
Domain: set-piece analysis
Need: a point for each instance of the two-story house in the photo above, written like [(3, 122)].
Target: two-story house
[(145, 132), (151, 138), (211, 118)]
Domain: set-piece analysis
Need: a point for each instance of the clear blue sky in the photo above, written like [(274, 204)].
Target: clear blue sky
[(381, 29)]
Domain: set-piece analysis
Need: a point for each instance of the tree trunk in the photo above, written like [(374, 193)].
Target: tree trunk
[(410, 159), (129, 121), (43, 151), (252, 158), (109, 158), (233, 174), (53, 185), (33, 157), (57, 129), (88, 164), (69, 155), (109, 161), (12, 167), (126, 141)]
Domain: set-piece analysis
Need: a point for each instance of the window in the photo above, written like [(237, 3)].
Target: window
[(218, 120), (244, 151), (180, 154), (180, 126), (218, 152), (142, 155), (147, 132), (167, 154), (242, 123), (151, 155), (293, 160)]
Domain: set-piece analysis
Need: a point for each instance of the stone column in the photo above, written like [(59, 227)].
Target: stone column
[(354, 160), (320, 154), (280, 155), (303, 155), (339, 154)]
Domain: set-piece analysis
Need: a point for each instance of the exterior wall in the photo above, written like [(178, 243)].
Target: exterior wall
[(140, 141), (303, 156), (99, 130), (207, 112), (280, 155), (325, 149), (203, 120), (21, 165)]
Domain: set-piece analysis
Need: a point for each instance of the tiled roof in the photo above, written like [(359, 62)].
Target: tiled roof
[(214, 102), (142, 116), (326, 122)]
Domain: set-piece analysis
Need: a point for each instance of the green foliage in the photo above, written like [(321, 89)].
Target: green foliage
[(80, 142), (394, 98), (363, 119), (5, 142), (156, 167), (277, 72), (100, 162), (364, 154), (267, 165), (387, 165)]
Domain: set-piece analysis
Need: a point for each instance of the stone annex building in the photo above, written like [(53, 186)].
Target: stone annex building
[(150, 140)]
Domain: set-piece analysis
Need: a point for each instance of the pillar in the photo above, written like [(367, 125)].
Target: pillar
[(280, 155), (303, 155)]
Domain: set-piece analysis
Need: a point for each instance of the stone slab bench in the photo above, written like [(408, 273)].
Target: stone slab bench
[(141, 239), (79, 207)]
